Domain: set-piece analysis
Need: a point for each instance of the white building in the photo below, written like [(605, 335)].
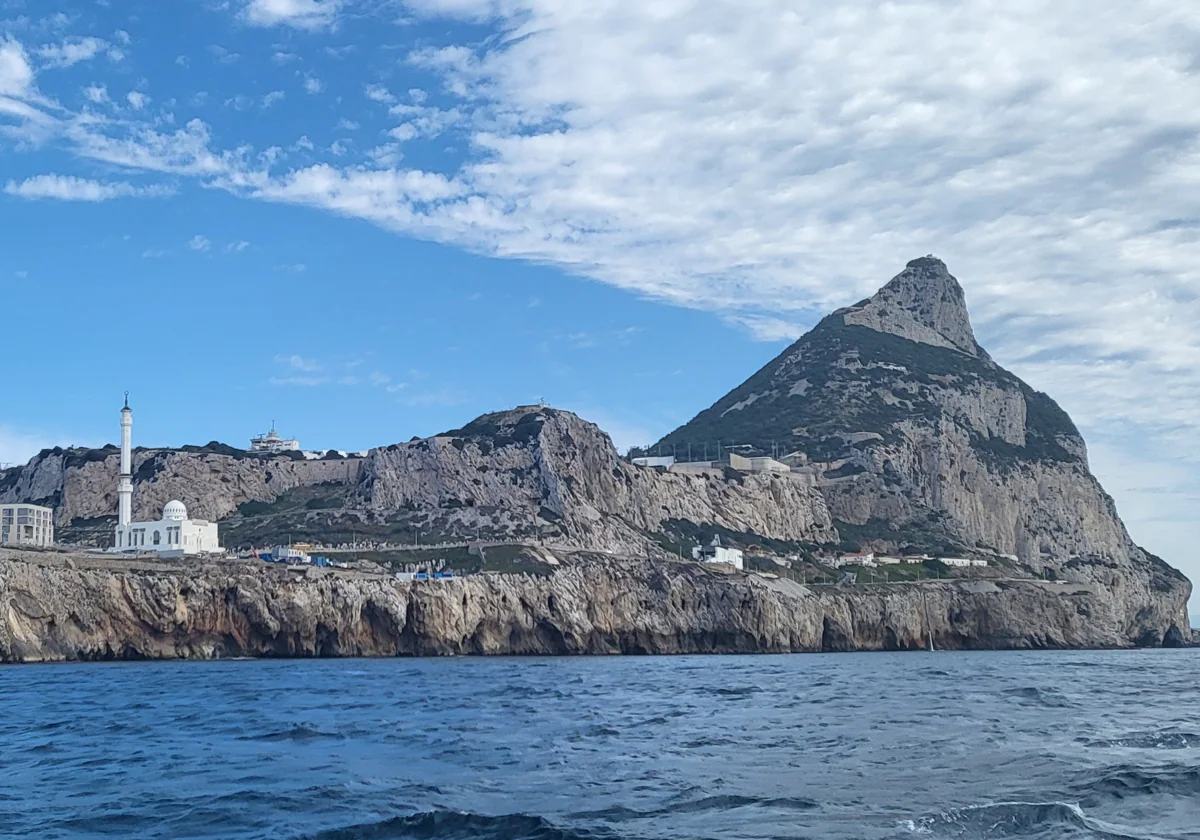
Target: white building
[(958, 562), (174, 533), (26, 525), (272, 442), (716, 553), (863, 558), (291, 554)]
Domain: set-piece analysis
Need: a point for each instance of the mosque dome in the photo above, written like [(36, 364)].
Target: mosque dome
[(175, 511)]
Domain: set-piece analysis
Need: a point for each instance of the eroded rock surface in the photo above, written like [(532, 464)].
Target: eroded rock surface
[(590, 606)]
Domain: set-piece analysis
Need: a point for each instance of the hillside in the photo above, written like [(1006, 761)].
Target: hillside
[(900, 433), (530, 473), (919, 441)]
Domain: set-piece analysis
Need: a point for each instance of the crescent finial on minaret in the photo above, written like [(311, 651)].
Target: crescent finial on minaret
[(127, 399)]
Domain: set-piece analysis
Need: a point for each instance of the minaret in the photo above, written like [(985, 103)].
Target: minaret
[(125, 483)]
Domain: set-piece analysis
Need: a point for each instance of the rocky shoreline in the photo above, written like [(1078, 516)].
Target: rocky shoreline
[(58, 609)]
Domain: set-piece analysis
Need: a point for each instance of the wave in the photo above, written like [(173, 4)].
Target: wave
[(298, 734), (1036, 820), (1037, 697), (454, 825), (1164, 740), (721, 802), (1128, 782)]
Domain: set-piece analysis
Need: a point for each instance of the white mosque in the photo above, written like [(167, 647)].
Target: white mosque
[(174, 533)]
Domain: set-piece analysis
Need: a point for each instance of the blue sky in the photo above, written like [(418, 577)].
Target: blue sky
[(373, 220)]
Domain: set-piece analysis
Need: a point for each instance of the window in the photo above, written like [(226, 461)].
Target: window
[(157, 537)]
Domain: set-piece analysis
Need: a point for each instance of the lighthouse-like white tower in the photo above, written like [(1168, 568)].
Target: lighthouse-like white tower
[(125, 482)]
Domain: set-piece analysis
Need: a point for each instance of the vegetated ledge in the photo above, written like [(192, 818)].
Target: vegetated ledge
[(60, 610)]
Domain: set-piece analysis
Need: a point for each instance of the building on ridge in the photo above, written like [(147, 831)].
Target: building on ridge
[(272, 442), (174, 534), (22, 524)]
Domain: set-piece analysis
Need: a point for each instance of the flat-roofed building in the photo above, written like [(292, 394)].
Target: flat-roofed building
[(26, 525)]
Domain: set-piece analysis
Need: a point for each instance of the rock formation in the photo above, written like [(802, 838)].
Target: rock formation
[(920, 442), (54, 612), (902, 433)]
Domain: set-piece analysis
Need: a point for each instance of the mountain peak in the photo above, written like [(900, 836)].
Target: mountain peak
[(923, 303)]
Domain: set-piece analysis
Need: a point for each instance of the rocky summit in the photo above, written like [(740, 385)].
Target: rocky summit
[(919, 441), (887, 428)]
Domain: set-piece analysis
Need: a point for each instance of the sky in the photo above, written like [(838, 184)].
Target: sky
[(365, 220)]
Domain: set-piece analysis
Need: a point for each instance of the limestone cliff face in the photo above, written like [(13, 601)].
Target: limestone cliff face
[(920, 441), (54, 613), (532, 472), (546, 472), (81, 484)]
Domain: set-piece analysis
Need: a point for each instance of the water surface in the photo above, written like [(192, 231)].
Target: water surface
[(945, 745)]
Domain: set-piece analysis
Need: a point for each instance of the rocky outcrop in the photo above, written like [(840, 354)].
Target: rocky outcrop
[(920, 442), (903, 433), (52, 612), (532, 472), (923, 303), (538, 471), (81, 484)]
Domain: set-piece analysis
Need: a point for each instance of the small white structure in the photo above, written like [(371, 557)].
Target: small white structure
[(979, 563), (272, 442), (716, 553), (888, 561), (663, 461), (290, 554), (174, 533), (958, 562), (26, 525), (862, 558)]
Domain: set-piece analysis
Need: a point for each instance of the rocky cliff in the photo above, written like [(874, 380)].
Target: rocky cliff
[(531, 472), (919, 441), (902, 433), (53, 611)]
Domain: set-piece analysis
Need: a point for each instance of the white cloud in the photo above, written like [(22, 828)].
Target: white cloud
[(70, 188), (298, 362), (199, 243), (223, 55), (16, 76), (273, 97), (71, 51), (379, 93), (96, 93), (313, 85), (122, 37), (301, 14), (766, 328), (17, 446), (137, 100), (237, 247)]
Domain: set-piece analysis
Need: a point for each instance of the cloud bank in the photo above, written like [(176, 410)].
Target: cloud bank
[(771, 165)]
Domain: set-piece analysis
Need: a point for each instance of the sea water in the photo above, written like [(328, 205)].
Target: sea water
[(936, 745)]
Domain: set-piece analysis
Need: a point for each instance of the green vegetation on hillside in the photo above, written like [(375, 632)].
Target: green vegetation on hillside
[(842, 379)]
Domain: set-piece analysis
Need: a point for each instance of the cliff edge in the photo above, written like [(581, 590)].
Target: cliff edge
[(57, 611)]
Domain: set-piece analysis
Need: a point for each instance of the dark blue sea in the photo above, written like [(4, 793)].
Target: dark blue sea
[(940, 745)]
